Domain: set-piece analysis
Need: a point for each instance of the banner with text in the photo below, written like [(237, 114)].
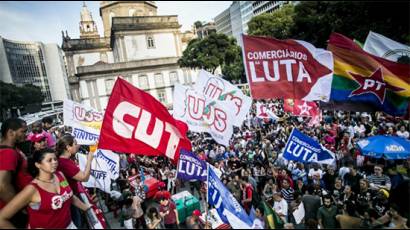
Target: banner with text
[(85, 121), (216, 88), (190, 167), (287, 69), (135, 122), (229, 209), (104, 168), (302, 148), (215, 118)]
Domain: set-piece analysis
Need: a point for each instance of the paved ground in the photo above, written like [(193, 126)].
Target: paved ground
[(114, 223)]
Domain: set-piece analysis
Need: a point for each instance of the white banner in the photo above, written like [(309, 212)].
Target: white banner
[(104, 167), (262, 111), (384, 47), (216, 118), (85, 121), (216, 88)]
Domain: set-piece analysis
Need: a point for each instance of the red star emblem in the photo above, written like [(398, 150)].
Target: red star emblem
[(374, 84)]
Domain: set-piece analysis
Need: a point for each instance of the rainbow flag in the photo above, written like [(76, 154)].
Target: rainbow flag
[(360, 77)]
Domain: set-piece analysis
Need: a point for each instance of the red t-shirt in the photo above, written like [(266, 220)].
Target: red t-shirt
[(246, 195), (171, 218), (14, 160), (54, 210), (70, 169)]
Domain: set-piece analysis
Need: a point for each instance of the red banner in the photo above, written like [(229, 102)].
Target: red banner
[(287, 69), (135, 122)]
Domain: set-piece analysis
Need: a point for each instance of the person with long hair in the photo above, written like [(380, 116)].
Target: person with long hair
[(67, 148), (48, 197)]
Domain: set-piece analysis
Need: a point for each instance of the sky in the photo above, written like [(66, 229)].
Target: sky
[(43, 21)]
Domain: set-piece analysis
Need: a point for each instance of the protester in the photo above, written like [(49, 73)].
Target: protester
[(153, 219), (66, 148), (13, 165), (168, 211), (48, 197)]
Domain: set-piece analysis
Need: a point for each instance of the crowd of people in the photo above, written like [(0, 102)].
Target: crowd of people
[(38, 176)]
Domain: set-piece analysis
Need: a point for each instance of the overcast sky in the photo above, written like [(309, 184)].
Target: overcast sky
[(43, 21)]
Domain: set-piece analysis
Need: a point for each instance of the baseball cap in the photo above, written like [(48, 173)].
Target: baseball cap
[(37, 137), (196, 212), (384, 192)]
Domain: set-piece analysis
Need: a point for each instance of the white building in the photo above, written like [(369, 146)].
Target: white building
[(234, 20), (142, 47), (34, 63)]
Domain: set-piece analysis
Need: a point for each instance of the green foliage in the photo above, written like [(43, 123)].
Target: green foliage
[(14, 96), (314, 21), (277, 24), (214, 51)]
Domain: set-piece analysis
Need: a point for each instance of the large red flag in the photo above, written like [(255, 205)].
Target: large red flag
[(135, 122), (287, 69)]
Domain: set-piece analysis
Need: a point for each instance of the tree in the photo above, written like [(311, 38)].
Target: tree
[(277, 24), (13, 96), (213, 51), (314, 21)]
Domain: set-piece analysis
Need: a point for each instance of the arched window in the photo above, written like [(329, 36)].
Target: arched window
[(150, 42), (131, 12)]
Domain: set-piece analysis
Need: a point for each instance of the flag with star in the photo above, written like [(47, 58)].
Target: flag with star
[(301, 108), (362, 78)]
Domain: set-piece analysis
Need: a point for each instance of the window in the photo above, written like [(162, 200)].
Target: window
[(161, 96), (109, 84), (173, 78), (150, 42), (143, 82), (159, 80)]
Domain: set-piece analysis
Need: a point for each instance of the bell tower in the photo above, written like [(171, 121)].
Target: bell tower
[(88, 28)]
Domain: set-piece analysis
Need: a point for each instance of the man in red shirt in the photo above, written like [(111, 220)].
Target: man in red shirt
[(247, 191), (13, 164), (168, 211)]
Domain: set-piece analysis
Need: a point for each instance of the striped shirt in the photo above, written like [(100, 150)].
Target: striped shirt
[(288, 194), (379, 180)]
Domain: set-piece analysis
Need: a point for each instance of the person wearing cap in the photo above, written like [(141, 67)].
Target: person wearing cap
[(192, 221), (38, 141), (168, 211)]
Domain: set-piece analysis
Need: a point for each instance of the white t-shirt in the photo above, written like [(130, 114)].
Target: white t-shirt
[(313, 171), (258, 224), (281, 207), (404, 134)]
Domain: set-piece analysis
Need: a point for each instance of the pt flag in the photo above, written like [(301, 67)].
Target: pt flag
[(287, 69), (360, 77), (301, 108), (302, 148), (135, 122)]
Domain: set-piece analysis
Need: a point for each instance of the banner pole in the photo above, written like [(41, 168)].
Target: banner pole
[(207, 187)]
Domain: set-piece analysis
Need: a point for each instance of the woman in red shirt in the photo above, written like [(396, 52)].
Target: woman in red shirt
[(48, 196), (67, 148)]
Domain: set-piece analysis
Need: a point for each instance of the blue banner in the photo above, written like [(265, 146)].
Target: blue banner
[(229, 209), (190, 167), (302, 148)]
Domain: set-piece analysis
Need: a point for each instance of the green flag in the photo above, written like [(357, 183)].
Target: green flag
[(272, 220)]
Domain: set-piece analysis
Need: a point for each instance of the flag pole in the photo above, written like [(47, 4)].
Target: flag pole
[(206, 200)]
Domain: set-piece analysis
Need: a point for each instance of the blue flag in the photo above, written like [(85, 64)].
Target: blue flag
[(190, 167), (302, 148), (225, 203)]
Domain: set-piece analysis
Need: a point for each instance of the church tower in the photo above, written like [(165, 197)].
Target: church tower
[(88, 28)]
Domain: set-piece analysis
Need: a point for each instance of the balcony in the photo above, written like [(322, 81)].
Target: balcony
[(86, 43)]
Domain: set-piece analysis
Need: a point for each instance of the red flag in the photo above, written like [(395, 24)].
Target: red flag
[(301, 108), (135, 122), (287, 69)]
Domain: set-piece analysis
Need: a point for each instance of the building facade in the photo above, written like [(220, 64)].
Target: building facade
[(34, 63), (142, 48), (204, 30), (234, 20)]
